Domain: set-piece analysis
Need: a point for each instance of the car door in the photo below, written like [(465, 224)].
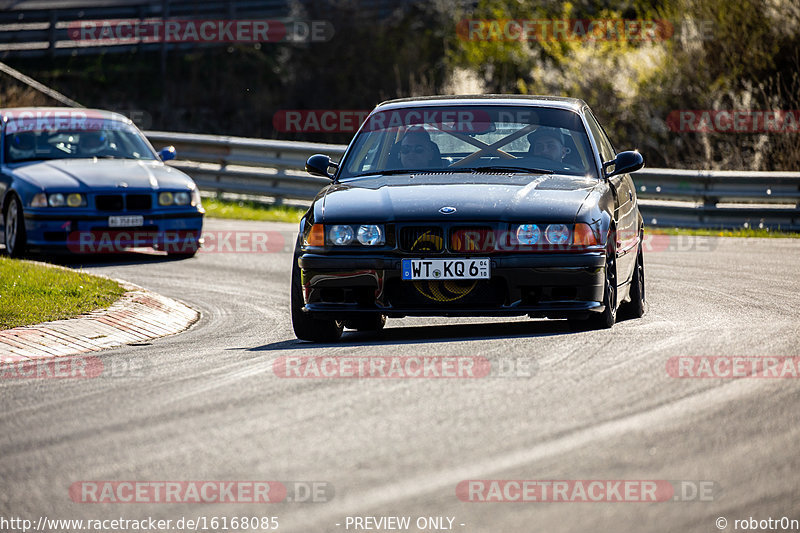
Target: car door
[(625, 206)]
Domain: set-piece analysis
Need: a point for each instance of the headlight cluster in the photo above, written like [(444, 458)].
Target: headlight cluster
[(174, 198), (555, 234), (346, 235), (58, 199)]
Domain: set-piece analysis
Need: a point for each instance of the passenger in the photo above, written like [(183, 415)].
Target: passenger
[(548, 143)]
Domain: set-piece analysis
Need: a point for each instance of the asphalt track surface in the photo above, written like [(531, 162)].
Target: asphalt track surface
[(598, 405)]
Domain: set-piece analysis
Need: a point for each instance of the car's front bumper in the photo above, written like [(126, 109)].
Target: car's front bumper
[(81, 232), (555, 285)]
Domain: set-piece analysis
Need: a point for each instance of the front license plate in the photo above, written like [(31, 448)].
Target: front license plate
[(414, 269), (126, 222)]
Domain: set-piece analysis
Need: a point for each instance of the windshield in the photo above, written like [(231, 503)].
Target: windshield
[(37, 140), (471, 138)]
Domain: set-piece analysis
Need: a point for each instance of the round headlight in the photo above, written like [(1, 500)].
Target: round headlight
[(56, 200), (74, 200), (557, 234), (182, 198), (341, 235), (165, 198), (370, 235), (528, 234)]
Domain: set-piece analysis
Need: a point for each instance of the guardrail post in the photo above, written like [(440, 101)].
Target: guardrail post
[(51, 48)]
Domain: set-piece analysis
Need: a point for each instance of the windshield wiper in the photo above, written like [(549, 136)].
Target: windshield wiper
[(389, 172), (511, 169)]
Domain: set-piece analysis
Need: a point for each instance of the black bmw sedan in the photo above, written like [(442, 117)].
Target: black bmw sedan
[(490, 205)]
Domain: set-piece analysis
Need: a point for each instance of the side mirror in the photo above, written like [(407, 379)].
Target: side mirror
[(168, 153), (318, 165), (624, 163)]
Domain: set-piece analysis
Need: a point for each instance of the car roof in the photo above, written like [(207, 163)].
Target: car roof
[(8, 112), (556, 102)]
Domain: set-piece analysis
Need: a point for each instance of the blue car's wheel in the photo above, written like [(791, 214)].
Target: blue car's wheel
[(14, 228)]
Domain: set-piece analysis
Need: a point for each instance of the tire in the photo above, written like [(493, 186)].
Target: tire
[(635, 308), (305, 327), (373, 323), (608, 317), (14, 228), (181, 255), (187, 250)]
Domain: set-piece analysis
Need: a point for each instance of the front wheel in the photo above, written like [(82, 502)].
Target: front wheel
[(305, 327), (635, 308), (14, 229), (608, 317)]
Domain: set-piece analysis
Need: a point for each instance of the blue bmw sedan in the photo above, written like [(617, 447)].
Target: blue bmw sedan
[(88, 181)]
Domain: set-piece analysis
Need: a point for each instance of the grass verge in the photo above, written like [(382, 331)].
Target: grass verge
[(31, 293), (739, 232), (251, 210)]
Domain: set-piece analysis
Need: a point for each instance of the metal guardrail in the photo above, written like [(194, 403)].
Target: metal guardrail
[(247, 166), (37, 32), (667, 197)]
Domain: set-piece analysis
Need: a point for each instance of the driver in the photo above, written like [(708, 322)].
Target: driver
[(417, 151), (548, 143), (22, 146)]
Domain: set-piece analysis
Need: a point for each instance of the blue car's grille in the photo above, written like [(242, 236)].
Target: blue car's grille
[(135, 202), (118, 202)]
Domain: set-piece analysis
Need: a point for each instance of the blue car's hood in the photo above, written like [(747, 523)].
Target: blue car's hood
[(474, 196), (83, 174)]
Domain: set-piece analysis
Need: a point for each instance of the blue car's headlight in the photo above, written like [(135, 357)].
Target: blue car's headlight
[(59, 200), (56, 200), (165, 198), (182, 198)]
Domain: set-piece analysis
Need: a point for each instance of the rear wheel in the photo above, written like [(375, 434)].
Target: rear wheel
[(305, 327), (14, 228)]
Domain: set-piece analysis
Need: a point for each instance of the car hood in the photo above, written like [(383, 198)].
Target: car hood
[(474, 196), (83, 174)]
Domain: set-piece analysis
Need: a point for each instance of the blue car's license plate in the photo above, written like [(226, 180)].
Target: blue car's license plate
[(416, 269)]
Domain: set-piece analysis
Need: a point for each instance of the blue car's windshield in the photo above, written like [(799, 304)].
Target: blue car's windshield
[(472, 138), (37, 139)]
